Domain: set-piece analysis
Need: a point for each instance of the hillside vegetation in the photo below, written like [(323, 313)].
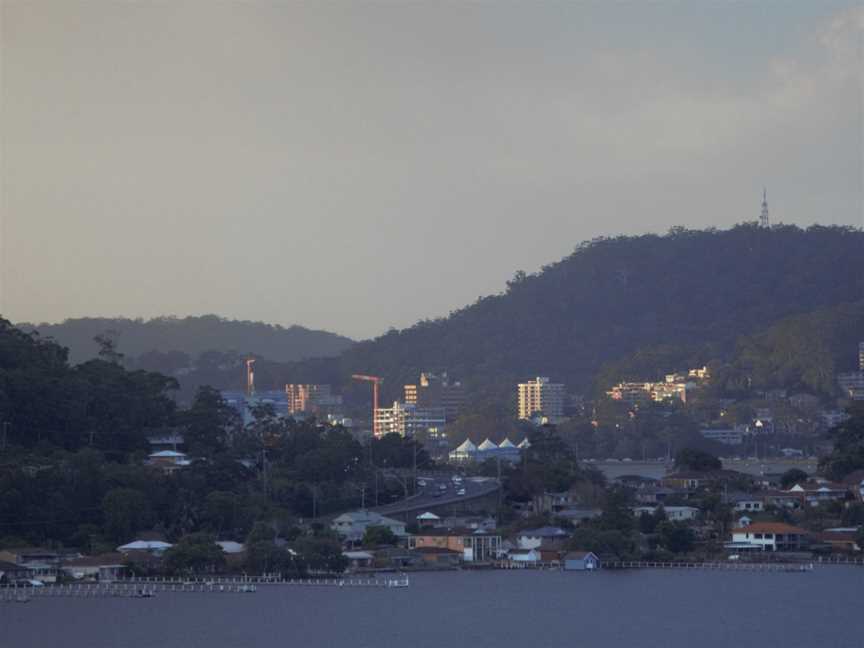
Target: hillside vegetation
[(696, 292), (191, 336)]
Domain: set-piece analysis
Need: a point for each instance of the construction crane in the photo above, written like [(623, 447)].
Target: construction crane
[(376, 382), (250, 377)]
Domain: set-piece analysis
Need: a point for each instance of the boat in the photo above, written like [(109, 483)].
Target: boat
[(144, 594), (246, 588)]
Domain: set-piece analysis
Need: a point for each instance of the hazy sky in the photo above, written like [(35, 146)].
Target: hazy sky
[(360, 165)]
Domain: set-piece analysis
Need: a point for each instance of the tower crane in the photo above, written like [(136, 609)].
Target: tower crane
[(376, 382)]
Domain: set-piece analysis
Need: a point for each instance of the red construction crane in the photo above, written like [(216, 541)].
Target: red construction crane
[(376, 381)]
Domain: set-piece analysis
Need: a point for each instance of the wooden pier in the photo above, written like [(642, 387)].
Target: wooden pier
[(150, 587), (713, 566)]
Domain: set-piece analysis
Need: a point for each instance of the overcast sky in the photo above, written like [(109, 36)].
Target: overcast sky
[(359, 166)]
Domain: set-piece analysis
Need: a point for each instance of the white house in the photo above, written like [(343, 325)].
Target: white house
[(767, 536), (351, 526)]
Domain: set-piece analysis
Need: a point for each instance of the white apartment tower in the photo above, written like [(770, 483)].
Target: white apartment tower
[(540, 395)]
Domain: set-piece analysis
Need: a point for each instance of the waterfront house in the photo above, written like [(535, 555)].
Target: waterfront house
[(768, 536), (438, 556), (358, 559), (840, 540), (352, 526), (524, 555), (42, 564), (11, 573), (548, 536), (581, 561), (476, 546), (103, 568)]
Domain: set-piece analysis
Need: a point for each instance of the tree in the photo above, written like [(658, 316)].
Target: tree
[(848, 453), (793, 476), (376, 536), (210, 422), (126, 511), (194, 553), (676, 537), (690, 459)]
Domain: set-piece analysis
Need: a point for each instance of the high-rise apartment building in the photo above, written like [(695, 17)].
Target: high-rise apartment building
[(310, 399), (861, 356), (543, 397), (407, 419), (436, 391)]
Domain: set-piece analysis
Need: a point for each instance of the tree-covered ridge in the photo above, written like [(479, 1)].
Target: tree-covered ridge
[(800, 353), (192, 336), (612, 297)]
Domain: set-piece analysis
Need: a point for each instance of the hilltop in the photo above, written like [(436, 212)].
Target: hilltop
[(697, 291), (191, 336)]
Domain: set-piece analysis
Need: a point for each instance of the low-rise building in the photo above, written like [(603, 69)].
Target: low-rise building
[(581, 561), (104, 568), (768, 536), (545, 536), (352, 526), (474, 546), (673, 513)]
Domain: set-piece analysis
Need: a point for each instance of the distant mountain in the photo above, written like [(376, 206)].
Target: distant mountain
[(613, 297), (191, 336)]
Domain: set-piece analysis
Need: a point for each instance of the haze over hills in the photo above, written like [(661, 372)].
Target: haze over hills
[(192, 336), (695, 292)]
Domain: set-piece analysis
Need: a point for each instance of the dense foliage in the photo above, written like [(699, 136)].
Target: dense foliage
[(165, 342), (683, 292)]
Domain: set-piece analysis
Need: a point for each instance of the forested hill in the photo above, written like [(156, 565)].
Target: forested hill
[(192, 336), (613, 297)]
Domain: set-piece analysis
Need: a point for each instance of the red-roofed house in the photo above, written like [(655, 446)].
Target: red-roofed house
[(768, 536)]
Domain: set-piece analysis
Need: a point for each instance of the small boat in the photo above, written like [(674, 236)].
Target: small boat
[(22, 598), (246, 588), (144, 594)]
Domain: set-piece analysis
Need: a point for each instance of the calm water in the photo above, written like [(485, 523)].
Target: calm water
[(667, 609)]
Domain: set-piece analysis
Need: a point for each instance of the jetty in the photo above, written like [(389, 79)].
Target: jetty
[(713, 566), (152, 586)]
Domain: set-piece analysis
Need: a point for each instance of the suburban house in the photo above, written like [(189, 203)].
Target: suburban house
[(439, 556), (546, 536), (42, 564), (12, 573), (783, 499), (843, 540), (358, 559), (104, 568), (698, 479), (168, 460), (768, 536), (581, 561), (745, 503), (352, 526), (820, 491), (658, 494), (474, 546), (153, 547), (673, 513)]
